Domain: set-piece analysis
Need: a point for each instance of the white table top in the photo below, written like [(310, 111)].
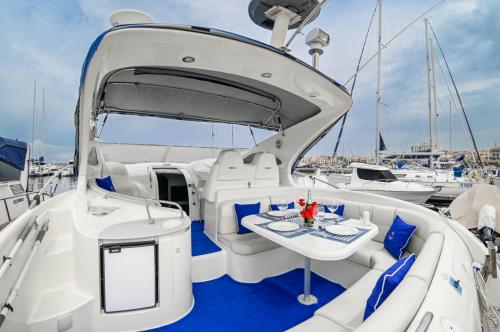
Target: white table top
[(309, 245)]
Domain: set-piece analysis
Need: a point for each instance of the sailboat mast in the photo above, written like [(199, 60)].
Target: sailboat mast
[(429, 91), (43, 138), (32, 150), (434, 95), (450, 125), (379, 67)]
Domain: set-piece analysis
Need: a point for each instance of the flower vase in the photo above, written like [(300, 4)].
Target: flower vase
[(309, 222)]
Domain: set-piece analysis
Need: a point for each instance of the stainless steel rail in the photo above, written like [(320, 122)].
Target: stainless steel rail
[(7, 260), (314, 178), (36, 199), (15, 289), (26, 195), (425, 322), (147, 202)]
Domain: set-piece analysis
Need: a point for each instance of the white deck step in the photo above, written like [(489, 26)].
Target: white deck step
[(58, 302), (209, 267)]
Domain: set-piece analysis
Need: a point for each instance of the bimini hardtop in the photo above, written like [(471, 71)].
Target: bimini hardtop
[(200, 238), (191, 73)]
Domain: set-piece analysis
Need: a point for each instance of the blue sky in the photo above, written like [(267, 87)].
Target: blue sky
[(47, 41)]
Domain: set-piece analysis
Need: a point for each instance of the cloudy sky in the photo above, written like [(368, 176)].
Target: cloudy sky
[(47, 41)]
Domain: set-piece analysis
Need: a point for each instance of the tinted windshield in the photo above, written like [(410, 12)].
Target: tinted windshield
[(122, 128), (376, 175)]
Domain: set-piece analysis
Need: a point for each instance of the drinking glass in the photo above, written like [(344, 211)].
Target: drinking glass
[(320, 214), (282, 206), (332, 207)]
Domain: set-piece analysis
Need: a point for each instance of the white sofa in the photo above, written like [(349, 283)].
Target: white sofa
[(345, 313)]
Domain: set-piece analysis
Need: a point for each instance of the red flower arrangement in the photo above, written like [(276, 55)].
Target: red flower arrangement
[(308, 211)]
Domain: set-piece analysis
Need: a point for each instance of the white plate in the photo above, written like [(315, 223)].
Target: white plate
[(331, 216), (283, 226), (341, 230), (294, 210), (276, 213)]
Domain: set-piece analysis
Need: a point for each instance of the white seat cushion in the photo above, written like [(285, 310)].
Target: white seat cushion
[(364, 256), (227, 222), (428, 258), (347, 309), (227, 172), (425, 227), (398, 310), (266, 172), (318, 324), (383, 260), (123, 183), (246, 244)]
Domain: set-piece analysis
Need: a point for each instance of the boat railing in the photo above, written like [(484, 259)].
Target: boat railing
[(57, 176), (28, 195), (314, 178)]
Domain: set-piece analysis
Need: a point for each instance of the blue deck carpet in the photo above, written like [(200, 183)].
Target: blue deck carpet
[(270, 305), (200, 243)]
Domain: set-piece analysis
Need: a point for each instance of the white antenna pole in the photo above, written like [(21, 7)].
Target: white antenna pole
[(429, 91), (434, 96), (379, 67), (32, 150)]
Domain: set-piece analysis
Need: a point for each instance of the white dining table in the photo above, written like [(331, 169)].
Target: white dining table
[(312, 247)]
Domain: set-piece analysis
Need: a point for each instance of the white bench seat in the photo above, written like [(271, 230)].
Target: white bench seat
[(246, 244), (347, 309)]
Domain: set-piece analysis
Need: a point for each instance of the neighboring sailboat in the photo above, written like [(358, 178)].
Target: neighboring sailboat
[(448, 184), (378, 179)]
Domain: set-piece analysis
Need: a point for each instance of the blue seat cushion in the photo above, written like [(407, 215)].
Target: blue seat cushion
[(243, 210), (274, 207), (339, 211), (386, 283), (398, 237), (105, 183)]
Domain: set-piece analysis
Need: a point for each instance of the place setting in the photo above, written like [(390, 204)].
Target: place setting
[(342, 229), (286, 220)]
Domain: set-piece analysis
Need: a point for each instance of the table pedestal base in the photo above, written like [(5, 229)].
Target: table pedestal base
[(310, 300), (307, 298)]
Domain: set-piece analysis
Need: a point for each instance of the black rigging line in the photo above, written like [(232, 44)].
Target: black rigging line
[(458, 96), (354, 80)]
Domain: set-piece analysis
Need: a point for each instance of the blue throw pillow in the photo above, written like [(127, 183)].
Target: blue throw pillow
[(398, 237), (339, 211), (274, 207), (386, 283), (105, 183), (243, 210)]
